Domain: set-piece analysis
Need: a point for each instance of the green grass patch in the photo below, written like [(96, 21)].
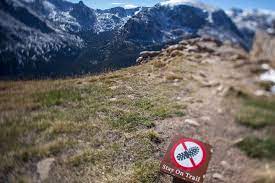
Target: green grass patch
[(89, 156), (154, 136), (113, 112), (130, 120), (257, 112), (147, 171), (142, 112), (258, 148), (58, 97)]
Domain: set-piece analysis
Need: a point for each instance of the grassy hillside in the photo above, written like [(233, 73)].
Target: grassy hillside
[(96, 128), (115, 127)]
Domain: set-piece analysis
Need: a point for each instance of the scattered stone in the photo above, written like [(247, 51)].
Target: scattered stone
[(114, 87), (220, 111), (129, 88), (220, 88), (208, 61), (172, 48), (176, 53), (178, 98), (238, 57), (113, 99), (140, 60), (237, 141), (146, 54), (43, 168), (225, 91), (131, 97), (202, 74), (265, 67), (210, 84), (218, 176), (206, 118), (183, 42), (225, 164), (192, 48), (192, 122), (260, 93)]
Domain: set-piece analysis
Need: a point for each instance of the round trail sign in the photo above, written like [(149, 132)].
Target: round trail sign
[(188, 154)]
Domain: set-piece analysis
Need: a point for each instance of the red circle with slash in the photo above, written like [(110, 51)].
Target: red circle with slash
[(188, 154)]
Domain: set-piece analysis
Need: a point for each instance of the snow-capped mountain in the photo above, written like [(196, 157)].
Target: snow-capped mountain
[(153, 28), (37, 34), (28, 40), (56, 37), (114, 18), (251, 21), (171, 21), (254, 19)]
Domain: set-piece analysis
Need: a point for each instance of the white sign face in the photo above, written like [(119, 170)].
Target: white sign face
[(188, 154)]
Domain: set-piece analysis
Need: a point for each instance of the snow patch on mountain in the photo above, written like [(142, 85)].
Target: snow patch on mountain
[(64, 21), (109, 21), (256, 19), (194, 3)]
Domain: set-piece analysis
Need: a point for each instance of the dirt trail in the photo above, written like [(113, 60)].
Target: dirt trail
[(212, 120)]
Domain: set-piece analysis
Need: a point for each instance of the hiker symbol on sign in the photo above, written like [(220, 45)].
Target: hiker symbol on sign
[(188, 154)]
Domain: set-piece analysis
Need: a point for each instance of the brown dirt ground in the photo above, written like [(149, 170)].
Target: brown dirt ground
[(208, 105)]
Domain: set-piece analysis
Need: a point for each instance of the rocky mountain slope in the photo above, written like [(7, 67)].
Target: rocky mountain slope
[(56, 37), (45, 37), (116, 127), (251, 21), (59, 38), (264, 48)]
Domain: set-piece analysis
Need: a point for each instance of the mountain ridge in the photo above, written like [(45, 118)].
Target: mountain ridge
[(70, 38)]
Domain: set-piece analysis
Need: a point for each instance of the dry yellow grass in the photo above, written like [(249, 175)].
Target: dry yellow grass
[(84, 124)]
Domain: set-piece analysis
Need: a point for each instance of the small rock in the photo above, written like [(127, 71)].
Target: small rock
[(220, 88), (43, 167), (113, 99), (170, 49), (192, 48), (114, 87), (129, 88), (238, 57), (260, 93), (218, 176), (146, 54), (210, 84), (202, 74), (220, 111), (206, 118), (131, 97), (175, 53), (191, 122), (237, 141), (225, 164), (140, 60), (266, 67)]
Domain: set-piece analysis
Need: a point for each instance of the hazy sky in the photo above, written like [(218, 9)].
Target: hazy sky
[(225, 4)]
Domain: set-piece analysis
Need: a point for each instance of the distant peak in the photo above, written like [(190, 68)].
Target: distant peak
[(194, 3), (81, 3)]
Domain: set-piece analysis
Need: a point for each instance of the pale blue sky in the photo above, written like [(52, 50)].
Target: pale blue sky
[(225, 4)]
